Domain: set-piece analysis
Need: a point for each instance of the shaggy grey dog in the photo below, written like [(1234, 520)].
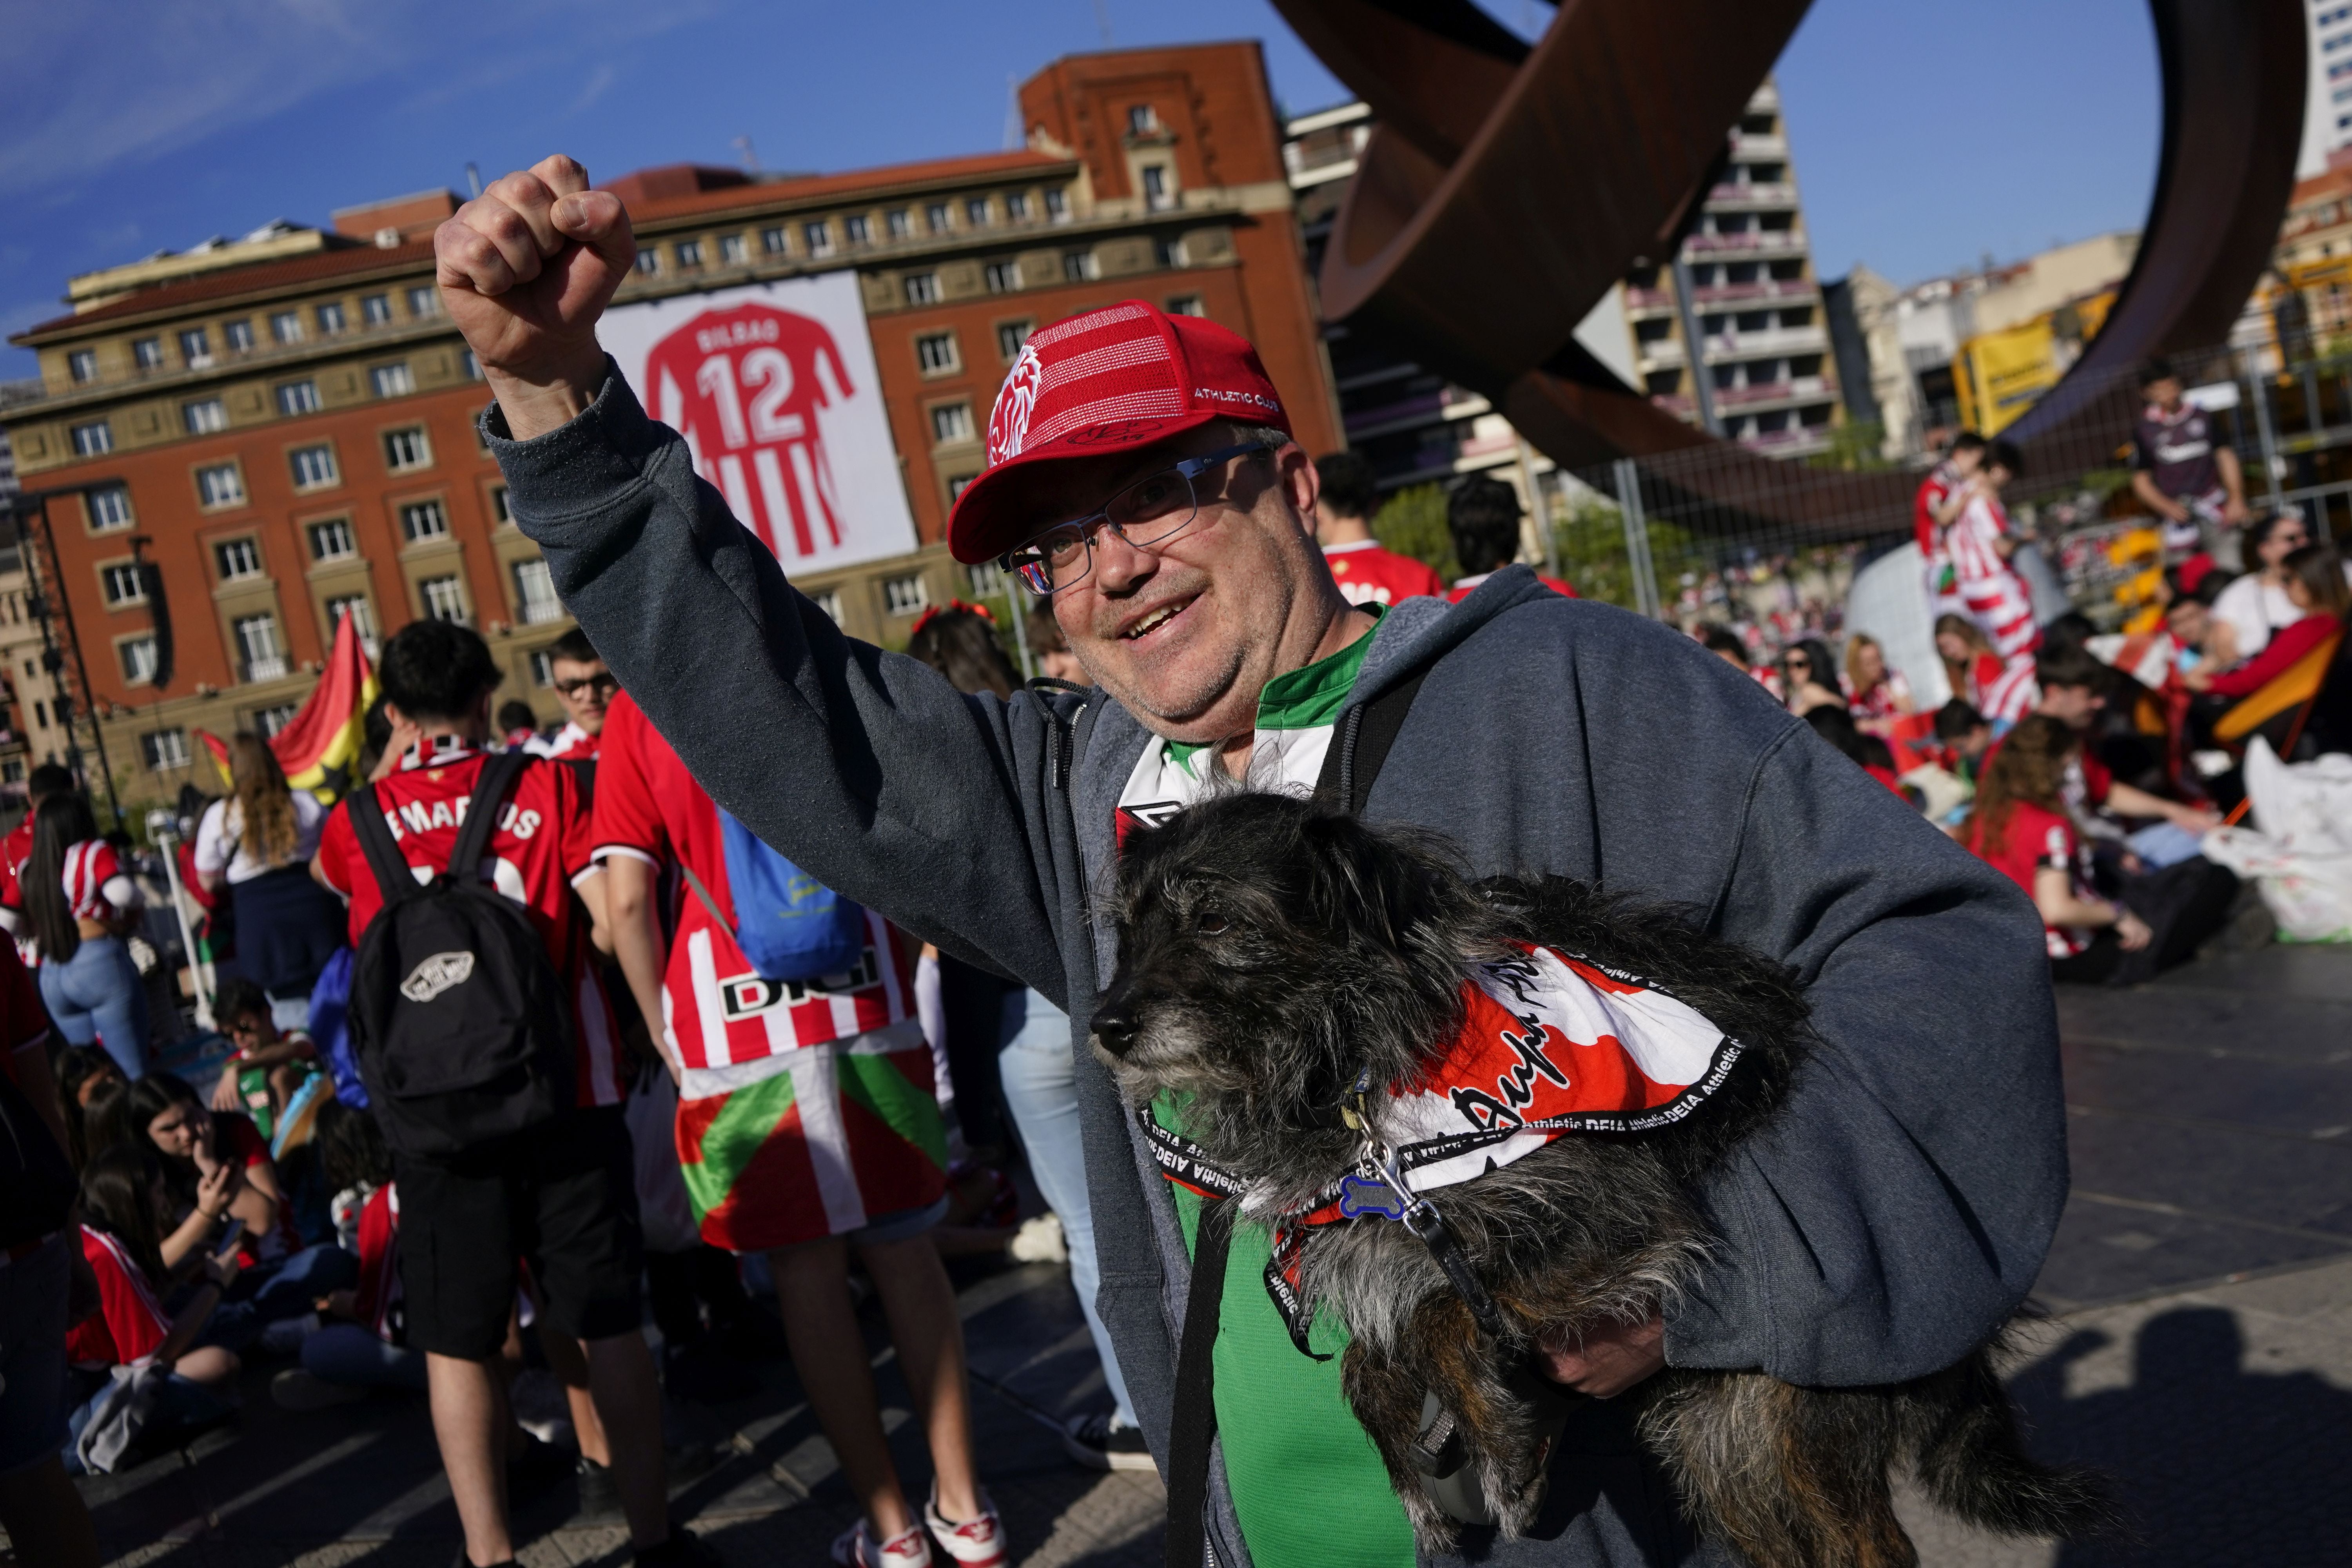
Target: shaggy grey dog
[(1276, 958)]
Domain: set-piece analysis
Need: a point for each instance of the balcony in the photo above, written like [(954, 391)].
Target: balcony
[(539, 612), (1749, 242), (1798, 441), (1745, 195), (270, 667), (1640, 301), (1736, 345), (1763, 289), (1763, 149), (1675, 404), (1772, 393), (1659, 354)]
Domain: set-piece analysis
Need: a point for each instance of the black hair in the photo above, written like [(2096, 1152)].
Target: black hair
[(1836, 726), (118, 1197), (376, 734), (48, 779), (2072, 630), (1482, 516), (1347, 485), (352, 1151), (152, 1094), (1824, 667), (2259, 530), (515, 714), (436, 670), (960, 644), (2065, 665), (239, 998), (2005, 454), (74, 1068), (1966, 441), (1723, 639), (59, 823), (575, 647), (1955, 719), (1044, 633), (2157, 370)]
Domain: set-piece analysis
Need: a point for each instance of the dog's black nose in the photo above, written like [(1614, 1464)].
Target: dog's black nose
[(1113, 1028)]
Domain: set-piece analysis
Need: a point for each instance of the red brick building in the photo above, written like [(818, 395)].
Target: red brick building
[(284, 426)]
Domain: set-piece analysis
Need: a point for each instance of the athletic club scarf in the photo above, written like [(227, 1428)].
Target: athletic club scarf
[(1553, 1044)]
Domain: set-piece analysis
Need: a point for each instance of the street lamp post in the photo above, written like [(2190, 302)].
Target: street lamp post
[(53, 657)]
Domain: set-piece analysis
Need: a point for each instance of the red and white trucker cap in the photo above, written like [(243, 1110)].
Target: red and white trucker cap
[(1124, 376)]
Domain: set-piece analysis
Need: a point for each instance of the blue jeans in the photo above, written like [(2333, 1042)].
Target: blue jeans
[(1041, 1089), (97, 995), (348, 1353), (260, 1298)]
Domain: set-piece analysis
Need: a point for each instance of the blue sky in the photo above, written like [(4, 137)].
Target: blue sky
[(1924, 135)]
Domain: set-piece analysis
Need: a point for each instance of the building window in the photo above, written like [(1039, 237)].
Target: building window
[(331, 539), (442, 601), (147, 354), (1003, 277), (286, 327), (392, 380), (424, 302), (819, 235), (220, 485), (731, 250), (313, 467), (1187, 305), (830, 603), (123, 583), (1057, 204), (424, 520), (1169, 252), (935, 353), (468, 365), (1078, 266), (238, 335), (92, 439), (902, 223), (268, 721), (163, 750), (905, 595), (689, 253), (196, 347), (406, 448), (82, 365), (1156, 193), (1016, 206), (331, 318), (138, 660), (257, 643), (975, 211), (1010, 336), (109, 509), (950, 423), (375, 309), (535, 600), (922, 288), (773, 241), (957, 485), (237, 558), (501, 507), (12, 771), (1141, 119), (542, 668), (297, 398), (649, 260), (935, 217), (362, 615), (857, 228), (205, 416)]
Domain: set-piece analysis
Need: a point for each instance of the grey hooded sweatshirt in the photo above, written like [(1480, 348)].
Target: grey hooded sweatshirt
[(1893, 1214)]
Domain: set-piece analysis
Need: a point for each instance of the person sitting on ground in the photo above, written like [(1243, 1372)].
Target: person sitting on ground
[(2256, 606), (89, 1083), (1875, 693), (583, 687), (1483, 516), (1809, 676), (16, 851), (1833, 724), (560, 1196), (1366, 574), (2073, 686), (517, 724), (1946, 781), (122, 1193), (1971, 669), (2200, 640), (267, 1064), (2316, 586), (1964, 736), (2020, 826), (81, 904), (1052, 651), (1724, 644), (363, 1342), (257, 844)]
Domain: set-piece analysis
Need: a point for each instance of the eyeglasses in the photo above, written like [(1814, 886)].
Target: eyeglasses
[(1151, 510), (602, 684)]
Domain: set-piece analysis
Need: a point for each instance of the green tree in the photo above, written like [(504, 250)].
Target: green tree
[(1412, 522)]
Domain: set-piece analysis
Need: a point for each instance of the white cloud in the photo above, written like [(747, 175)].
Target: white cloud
[(599, 82)]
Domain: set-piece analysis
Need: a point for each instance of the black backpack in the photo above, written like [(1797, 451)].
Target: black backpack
[(459, 1018)]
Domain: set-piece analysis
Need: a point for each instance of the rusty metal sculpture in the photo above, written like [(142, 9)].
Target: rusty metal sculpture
[(1505, 187)]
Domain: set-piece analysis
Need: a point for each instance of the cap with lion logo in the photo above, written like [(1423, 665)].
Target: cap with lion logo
[(1113, 379)]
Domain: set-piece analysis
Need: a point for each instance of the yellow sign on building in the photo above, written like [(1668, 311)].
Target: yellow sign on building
[(1998, 376)]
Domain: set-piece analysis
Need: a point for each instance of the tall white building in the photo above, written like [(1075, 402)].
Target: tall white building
[(2327, 114)]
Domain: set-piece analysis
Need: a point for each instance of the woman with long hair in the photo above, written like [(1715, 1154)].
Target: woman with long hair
[(88, 1084), (1875, 692), (257, 844), (2316, 588), (1809, 676), (2021, 826), (81, 903)]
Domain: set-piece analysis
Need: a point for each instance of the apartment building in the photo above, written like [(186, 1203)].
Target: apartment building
[(282, 427)]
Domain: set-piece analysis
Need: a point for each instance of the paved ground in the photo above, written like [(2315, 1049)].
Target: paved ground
[(2202, 1351)]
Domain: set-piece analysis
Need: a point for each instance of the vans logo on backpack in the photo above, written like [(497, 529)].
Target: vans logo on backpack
[(437, 974)]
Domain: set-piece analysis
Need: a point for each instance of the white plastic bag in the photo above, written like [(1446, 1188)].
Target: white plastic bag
[(2300, 851)]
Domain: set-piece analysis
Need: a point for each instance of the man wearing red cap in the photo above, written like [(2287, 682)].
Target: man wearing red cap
[(1142, 481)]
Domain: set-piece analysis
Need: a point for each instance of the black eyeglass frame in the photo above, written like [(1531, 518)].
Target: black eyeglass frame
[(1188, 469), (607, 681)]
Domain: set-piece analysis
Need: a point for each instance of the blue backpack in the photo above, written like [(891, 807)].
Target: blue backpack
[(789, 924)]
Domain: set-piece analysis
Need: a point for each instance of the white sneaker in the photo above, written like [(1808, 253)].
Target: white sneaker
[(1040, 1240), (974, 1543), (854, 1548)]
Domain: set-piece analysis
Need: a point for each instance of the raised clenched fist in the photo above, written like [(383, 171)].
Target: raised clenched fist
[(526, 269)]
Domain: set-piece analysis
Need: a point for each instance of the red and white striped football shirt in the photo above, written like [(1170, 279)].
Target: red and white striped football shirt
[(96, 887)]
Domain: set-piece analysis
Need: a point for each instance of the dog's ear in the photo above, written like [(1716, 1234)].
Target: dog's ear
[(1370, 885)]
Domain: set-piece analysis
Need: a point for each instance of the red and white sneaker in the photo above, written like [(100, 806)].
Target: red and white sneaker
[(974, 1543), (854, 1548)]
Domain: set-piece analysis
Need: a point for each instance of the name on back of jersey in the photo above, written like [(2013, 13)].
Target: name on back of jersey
[(747, 995), (421, 817)]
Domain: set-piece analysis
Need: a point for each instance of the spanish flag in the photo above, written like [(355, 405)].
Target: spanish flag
[(319, 746)]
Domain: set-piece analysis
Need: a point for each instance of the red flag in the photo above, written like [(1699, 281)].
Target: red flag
[(218, 750), (319, 746)]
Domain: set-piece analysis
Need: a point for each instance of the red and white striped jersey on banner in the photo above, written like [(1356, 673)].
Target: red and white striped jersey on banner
[(91, 865)]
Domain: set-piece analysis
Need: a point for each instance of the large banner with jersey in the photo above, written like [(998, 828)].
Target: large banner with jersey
[(774, 389)]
